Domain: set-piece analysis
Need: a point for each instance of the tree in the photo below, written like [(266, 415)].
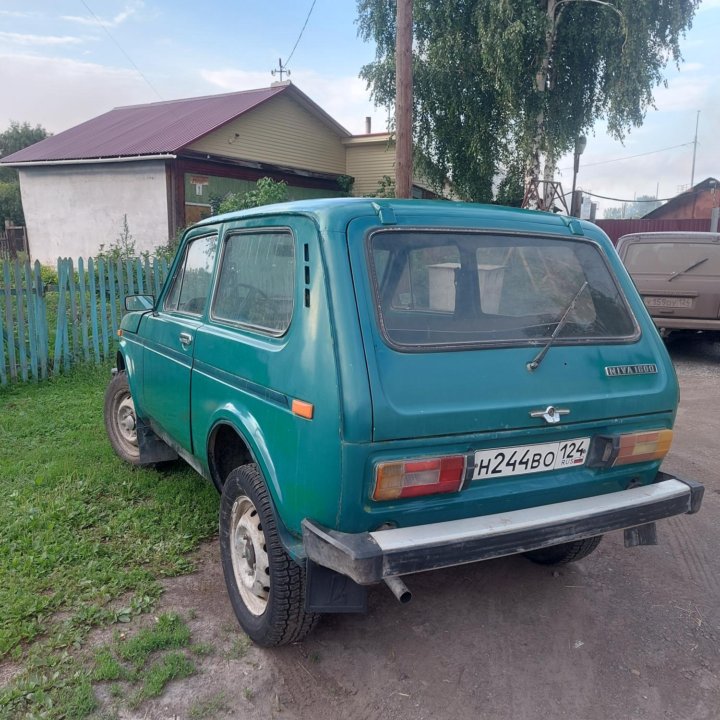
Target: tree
[(16, 137), (266, 192), (500, 82)]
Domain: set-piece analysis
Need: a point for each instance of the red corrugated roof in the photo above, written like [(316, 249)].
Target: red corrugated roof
[(153, 129)]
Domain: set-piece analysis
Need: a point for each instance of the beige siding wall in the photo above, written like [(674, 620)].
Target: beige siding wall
[(279, 132), (367, 163)]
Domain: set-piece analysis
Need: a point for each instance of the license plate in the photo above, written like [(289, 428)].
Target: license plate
[(523, 459), (668, 302)]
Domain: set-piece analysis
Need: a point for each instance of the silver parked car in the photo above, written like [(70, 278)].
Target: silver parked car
[(678, 276)]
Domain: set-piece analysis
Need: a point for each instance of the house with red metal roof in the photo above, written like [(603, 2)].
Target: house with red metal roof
[(164, 165)]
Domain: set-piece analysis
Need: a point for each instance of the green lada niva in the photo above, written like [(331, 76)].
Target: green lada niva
[(379, 388)]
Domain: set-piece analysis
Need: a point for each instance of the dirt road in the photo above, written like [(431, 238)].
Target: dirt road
[(624, 634)]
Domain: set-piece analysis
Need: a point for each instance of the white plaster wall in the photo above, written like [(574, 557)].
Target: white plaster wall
[(70, 210)]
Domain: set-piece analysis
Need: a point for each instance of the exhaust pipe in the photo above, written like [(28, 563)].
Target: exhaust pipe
[(399, 589)]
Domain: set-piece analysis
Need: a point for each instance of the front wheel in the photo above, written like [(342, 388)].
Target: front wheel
[(266, 587), (565, 552), (120, 419)]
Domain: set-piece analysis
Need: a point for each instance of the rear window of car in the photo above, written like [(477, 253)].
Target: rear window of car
[(465, 288), (671, 258)]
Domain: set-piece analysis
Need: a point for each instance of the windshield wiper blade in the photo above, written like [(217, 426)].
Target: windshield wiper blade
[(687, 269), (534, 364)]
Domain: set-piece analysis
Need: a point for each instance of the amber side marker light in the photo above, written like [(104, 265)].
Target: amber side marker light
[(119, 332), (303, 409), (401, 479), (640, 447)]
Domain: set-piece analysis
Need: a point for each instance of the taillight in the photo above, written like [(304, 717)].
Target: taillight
[(403, 479), (643, 446)]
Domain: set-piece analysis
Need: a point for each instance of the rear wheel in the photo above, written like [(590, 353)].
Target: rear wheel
[(266, 587), (564, 553), (120, 419)]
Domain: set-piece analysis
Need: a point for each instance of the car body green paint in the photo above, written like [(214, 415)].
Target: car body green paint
[(373, 402)]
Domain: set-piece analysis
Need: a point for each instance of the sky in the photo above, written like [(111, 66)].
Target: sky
[(65, 61)]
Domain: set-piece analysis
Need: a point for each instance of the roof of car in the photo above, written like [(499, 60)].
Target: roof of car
[(336, 213)]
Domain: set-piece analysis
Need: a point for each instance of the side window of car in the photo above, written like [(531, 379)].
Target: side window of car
[(191, 284), (256, 282)]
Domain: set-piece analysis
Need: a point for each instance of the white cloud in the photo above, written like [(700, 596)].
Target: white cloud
[(691, 67), (16, 14), (344, 98), (20, 39), (684, 93), (59, 93), (93, 20)]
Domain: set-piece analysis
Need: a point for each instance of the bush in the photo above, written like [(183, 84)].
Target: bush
[(266, 192)]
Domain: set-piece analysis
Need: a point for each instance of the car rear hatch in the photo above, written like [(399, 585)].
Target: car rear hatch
[(676, 278), (470, 331)]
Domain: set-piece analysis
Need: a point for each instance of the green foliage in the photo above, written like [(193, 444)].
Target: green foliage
[(511, 189), (48, 275), (385, 188), (209, 707), (345, 183), (80, 529), (266, 192), (477, 103), (16, 137), (10, 204), (169, 632), (123, 248), (129, 661)]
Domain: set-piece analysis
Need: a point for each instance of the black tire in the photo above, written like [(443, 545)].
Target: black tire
[(120, 419), (564, 553), (274, 613)]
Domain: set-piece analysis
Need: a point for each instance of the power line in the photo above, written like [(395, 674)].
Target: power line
[(292, 52), (129, 59), (635, 200), (630, 157)]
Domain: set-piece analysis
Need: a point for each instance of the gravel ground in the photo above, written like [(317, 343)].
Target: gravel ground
[(624, 634)]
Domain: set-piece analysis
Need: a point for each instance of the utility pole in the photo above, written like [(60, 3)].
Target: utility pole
[(692, 174), (403, 100)]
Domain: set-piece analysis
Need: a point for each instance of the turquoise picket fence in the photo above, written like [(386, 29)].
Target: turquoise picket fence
[(48, 327)]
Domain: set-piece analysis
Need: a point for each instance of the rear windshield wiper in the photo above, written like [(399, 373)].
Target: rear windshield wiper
[(687, 269), (535, 362)]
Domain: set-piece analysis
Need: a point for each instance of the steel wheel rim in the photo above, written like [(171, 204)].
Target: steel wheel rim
[(248, 553), (126, 423)]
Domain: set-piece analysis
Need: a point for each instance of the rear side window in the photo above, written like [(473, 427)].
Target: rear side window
[(668, 258), (458, 288), (191, 284), (256, 282)]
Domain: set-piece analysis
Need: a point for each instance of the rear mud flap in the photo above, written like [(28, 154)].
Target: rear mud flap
[(641, 535), (328, 591)]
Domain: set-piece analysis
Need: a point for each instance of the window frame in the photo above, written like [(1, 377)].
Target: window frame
[(227, 236), (375, 295), (180, 267)]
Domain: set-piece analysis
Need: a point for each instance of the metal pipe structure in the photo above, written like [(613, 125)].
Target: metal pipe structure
[(399, 589)]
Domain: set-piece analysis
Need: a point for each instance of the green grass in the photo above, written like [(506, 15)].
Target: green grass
[(78, 530), (148, 661), (209, 707)]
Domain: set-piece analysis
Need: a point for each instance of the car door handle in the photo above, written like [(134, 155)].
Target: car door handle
[(185, 339)]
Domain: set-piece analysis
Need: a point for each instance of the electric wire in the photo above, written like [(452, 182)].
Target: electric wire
[(129, 59), (631, 157), (292, 52), (625, 200)]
